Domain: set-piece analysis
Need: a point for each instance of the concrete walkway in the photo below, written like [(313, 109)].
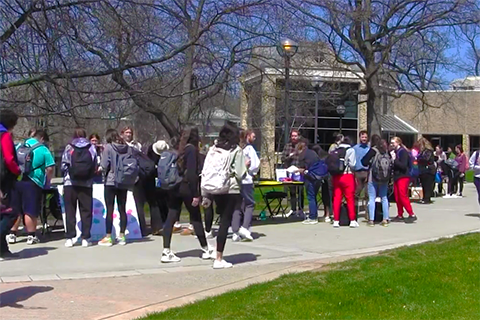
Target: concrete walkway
[(54, 282)]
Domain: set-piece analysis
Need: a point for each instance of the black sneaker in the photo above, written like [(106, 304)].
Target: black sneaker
[(411, 219), (398, 219)]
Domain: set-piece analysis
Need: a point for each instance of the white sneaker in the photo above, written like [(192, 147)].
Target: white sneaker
[(354, 224), (32, 240), (86, 243), (310, 221), (209, 235), (236, 237), (69, 243), (336, 224), (328, 220), (168, 256), (289, 213), (11, 238), (209, 254), (245, 234), (222, 264), (447, 196)]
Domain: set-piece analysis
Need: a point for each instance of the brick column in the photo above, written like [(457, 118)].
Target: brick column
[(268, 113)]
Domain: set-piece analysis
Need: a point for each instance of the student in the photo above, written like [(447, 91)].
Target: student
[(243, 218), (79, 164), (127, 136), (427, 169), (361, 172), (307, 158), (186, 192), (440, 157), (459, 178), (475, 165), (28, 194), (290, 158), (326, 187), (95, 141), (401, 178), (379, 162), (344, 185), (8, 176), (114, 148), (230, 200)]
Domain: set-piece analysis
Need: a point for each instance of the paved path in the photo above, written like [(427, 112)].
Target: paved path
[(53, 282)]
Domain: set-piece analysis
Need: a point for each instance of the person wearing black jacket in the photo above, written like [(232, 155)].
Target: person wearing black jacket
[(307, 158), (427, 168), (188, 193), (401, 181)]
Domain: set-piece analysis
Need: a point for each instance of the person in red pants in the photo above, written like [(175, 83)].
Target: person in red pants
[(344, 184), (401, 181)]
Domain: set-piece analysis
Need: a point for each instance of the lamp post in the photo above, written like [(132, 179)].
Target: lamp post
[(317, 84), (341, 111), (287, 49)]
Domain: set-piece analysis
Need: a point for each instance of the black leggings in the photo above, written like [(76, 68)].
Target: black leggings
[(111, 193), (208, 218), (174, 207), (226, 204), (427, 180)]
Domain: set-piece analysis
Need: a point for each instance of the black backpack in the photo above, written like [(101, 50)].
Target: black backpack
[(336, 161), (146, 165), (82, 165), (381, 167)]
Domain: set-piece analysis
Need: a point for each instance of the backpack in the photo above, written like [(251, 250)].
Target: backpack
[(126, 170), (167, 170), (217, 171), (381, 167), (146, 165), (318, 171), (336, 161), (82, 166), (452, 164), (25, 157)]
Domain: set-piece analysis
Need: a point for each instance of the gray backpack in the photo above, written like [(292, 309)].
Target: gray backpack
[(127, 170), (168, 174), (381, 167)]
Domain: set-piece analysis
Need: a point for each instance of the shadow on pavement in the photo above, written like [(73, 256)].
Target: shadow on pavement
[(242, 258), (33, 252), (12, 298), (475, 215), (195, 253)]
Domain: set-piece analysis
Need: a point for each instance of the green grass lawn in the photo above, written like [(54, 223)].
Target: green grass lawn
[(437, 280)]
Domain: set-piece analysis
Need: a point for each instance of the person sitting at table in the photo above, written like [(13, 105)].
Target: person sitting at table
[(290, 158), (78, 175)]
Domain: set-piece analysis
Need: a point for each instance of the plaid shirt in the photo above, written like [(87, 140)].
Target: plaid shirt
[(288, 160)]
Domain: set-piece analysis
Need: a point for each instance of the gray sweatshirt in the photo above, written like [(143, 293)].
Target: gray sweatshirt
[(108, 161), (67, 161)]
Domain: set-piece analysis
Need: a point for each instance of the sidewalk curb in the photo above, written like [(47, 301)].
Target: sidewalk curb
[(305, 265)]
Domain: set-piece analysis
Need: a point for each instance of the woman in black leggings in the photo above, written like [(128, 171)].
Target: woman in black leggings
[(188, 193), (231, 200)]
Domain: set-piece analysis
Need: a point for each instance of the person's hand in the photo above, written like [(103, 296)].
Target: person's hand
[(196, 201), (248, 162), (206, 202), (462, 175), (291, 154), (300, 170)]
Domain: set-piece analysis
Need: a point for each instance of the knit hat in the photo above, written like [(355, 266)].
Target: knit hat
[(160, 146)]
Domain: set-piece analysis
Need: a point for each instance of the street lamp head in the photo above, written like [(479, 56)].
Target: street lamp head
[(317, 83), (287, 48), (341, 110)]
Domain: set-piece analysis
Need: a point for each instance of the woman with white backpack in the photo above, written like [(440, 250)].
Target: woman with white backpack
[(224, 169), (243, 218)]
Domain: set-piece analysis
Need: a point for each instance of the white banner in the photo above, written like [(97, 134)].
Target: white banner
[(99, 216)]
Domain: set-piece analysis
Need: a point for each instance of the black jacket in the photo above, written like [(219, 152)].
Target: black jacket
[(401, 165)]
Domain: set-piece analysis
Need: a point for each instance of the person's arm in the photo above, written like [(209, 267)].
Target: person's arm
[(351, 159), (472, 163), (66, 159), (368, 157), (191, 166), (8, 150), (239, 165), (105, 161), (254, 161), (49, 165)]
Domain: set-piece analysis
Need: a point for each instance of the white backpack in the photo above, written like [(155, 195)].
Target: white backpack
[(217, 171)]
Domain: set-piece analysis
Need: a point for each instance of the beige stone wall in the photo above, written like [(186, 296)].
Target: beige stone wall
[(268, 112)]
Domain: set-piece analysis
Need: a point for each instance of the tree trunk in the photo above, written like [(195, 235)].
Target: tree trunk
[(374, 108), (187, 85)]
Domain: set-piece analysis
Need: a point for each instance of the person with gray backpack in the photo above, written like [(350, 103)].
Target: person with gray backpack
[(178, 174), (380, 165), (121, 171)]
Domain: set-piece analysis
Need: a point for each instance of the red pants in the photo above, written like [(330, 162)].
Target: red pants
[(400, 190), (344, 185)]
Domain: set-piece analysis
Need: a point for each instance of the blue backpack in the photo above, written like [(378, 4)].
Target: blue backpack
[(318, 171)]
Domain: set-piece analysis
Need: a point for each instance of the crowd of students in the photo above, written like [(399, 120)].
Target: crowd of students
[(173, 174)]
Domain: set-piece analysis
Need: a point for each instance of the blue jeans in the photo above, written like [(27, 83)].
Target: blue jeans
[(312, 190), (380, 189)]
